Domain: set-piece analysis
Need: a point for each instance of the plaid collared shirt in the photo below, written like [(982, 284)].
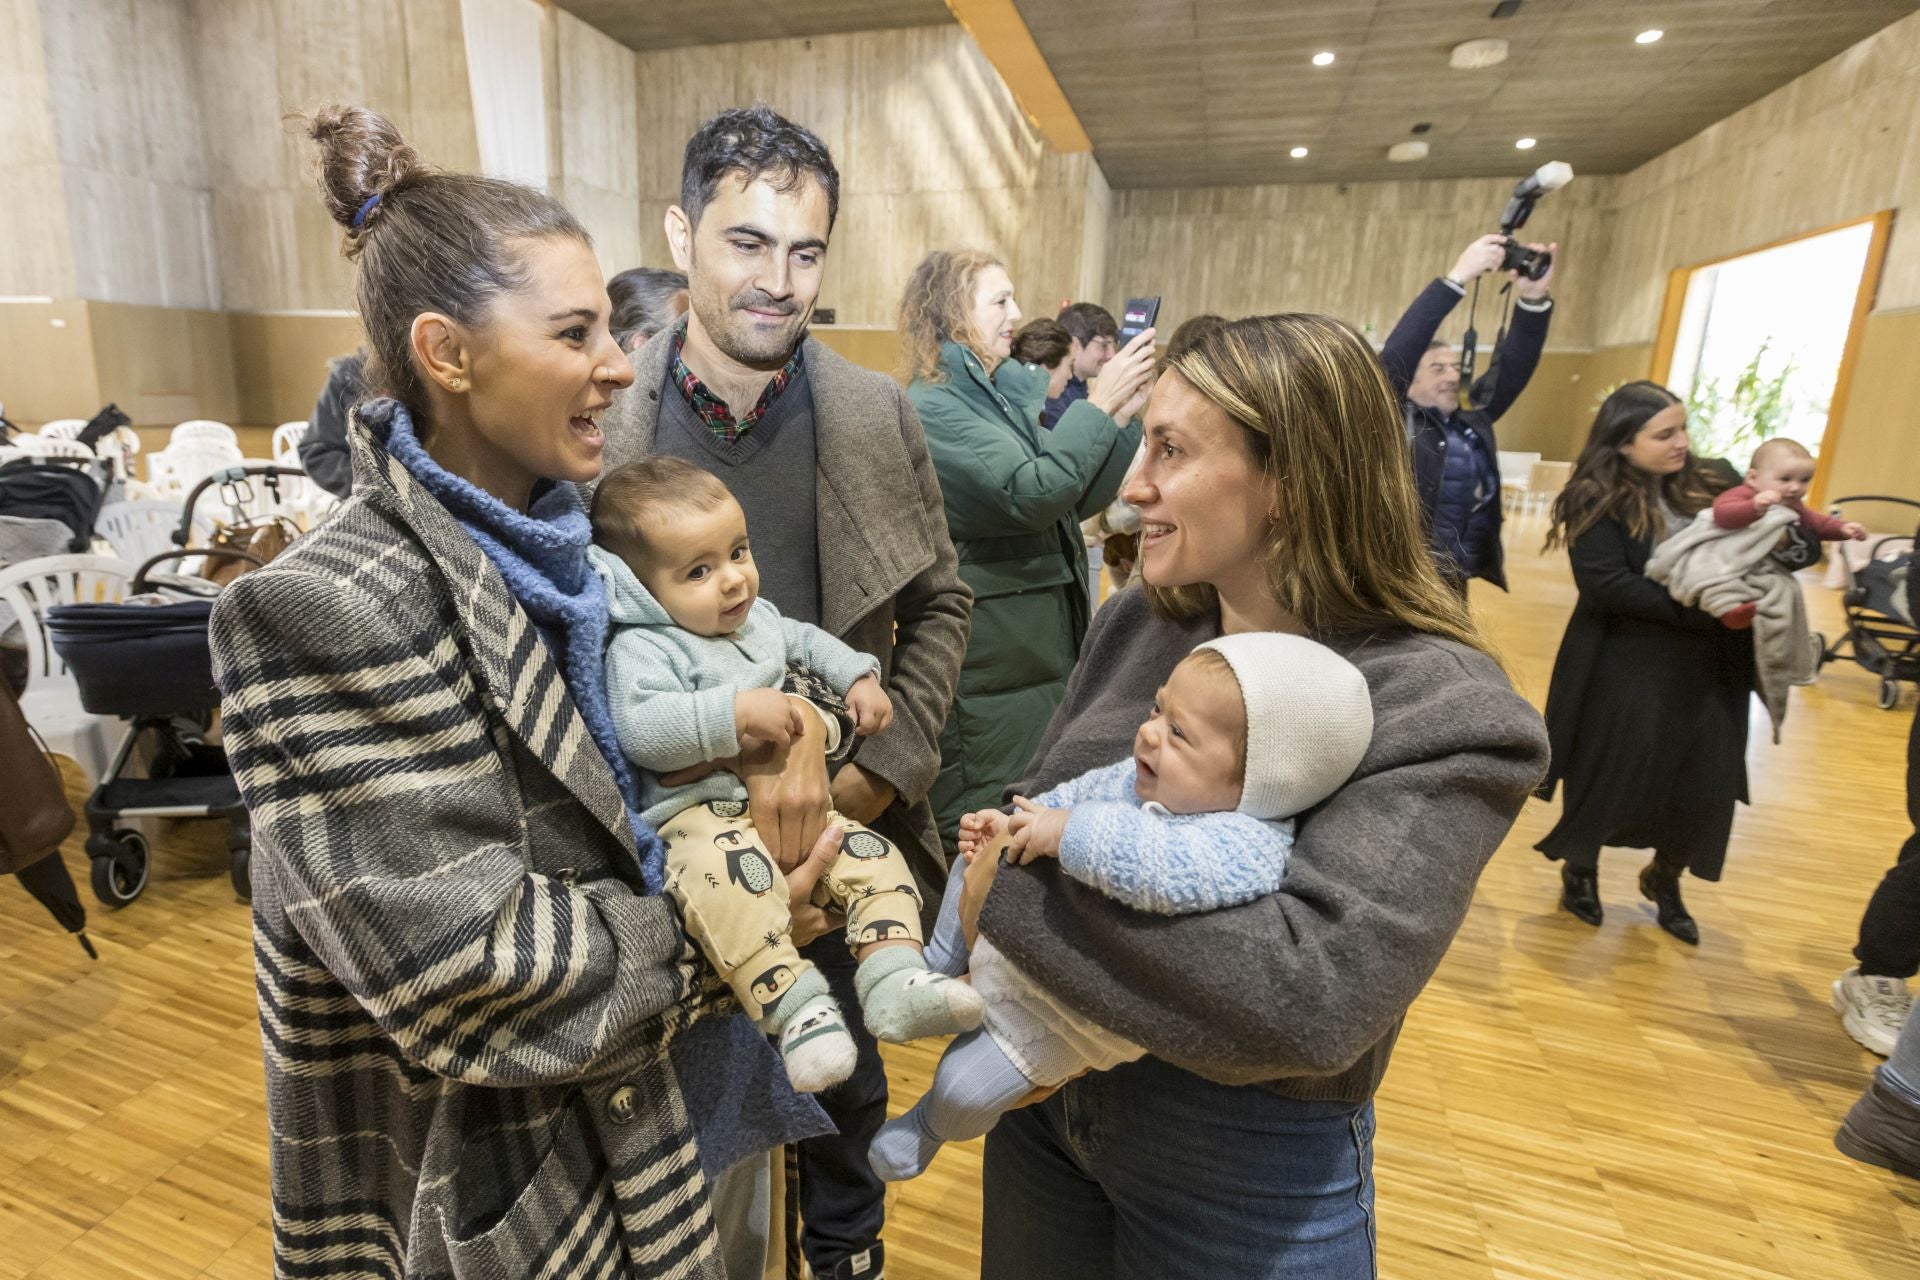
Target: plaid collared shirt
[(712, 409)]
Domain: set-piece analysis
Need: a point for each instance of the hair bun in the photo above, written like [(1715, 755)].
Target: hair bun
[(361, 156)]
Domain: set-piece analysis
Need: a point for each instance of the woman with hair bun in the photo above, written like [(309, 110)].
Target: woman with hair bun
[(487, 1052)]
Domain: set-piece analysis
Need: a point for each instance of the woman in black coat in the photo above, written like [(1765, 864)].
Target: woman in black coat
[(1647, 711)]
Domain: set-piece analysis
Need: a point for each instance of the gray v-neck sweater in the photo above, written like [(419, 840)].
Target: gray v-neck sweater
[(1303, 991), (770, 470)]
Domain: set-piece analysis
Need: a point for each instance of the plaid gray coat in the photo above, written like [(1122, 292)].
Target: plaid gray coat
[(465, 1005)]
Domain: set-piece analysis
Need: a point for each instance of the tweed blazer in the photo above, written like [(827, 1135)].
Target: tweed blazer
[(889, 581), (465, 1004)]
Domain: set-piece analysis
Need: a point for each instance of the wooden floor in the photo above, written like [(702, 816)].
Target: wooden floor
[(1565, 1102)]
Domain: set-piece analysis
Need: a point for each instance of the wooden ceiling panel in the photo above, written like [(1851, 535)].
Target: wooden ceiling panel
[(672, 24), (1176, 92)]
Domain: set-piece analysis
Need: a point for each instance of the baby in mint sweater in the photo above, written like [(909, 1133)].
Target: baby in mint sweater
[(694, 669), (1248, 731)]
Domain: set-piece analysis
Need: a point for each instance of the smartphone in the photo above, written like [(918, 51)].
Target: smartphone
[(1137, 317)]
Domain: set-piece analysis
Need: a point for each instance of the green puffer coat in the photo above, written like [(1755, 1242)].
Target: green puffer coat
[(1015, 493)]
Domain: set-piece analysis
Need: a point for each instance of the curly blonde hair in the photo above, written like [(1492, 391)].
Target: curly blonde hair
[(935, 309)]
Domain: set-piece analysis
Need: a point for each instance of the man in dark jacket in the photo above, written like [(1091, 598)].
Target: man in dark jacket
[(1094, 341), (1455, 466), (323, 450)]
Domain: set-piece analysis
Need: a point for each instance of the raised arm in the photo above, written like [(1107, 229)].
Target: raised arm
[(393, 827), (1305, 980), (994, 487)]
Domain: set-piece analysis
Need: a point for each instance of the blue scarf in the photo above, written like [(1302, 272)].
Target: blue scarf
[(543, 557)]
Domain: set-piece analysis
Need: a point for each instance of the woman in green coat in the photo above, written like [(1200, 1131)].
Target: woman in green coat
[(1015, 493)]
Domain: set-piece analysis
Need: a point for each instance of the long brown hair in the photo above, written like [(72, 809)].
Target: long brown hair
[(1347, 552), (936, 308), (1605, 484)]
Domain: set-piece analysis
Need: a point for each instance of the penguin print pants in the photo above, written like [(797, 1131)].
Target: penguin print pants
[(734, 899)]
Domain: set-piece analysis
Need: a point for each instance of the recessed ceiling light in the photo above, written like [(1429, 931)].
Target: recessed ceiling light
[(1525, 144), (1323, 59), (1298, 153), (1649, 36)]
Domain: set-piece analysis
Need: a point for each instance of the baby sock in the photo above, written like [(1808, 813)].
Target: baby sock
[(904, 1000), (815, 1044), (947, 947), (973, 1086)]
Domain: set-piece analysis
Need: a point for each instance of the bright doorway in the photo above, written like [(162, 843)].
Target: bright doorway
[(1761, 344)]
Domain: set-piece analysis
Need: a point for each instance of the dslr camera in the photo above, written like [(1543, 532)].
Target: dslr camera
[(1548, 177)]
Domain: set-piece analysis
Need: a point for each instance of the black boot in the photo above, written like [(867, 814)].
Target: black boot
[(1580, 894), (1660, 885)]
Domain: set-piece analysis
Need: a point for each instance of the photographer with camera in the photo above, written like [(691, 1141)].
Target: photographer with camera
[(1455, 468)]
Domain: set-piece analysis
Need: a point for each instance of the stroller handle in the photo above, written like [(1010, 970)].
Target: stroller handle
[(226, 476), (140, 584), (1871, 497)]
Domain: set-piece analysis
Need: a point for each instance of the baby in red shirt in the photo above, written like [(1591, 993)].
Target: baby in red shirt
[(1781, 472)]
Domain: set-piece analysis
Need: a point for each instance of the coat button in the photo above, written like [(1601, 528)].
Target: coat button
[(623, 1105)]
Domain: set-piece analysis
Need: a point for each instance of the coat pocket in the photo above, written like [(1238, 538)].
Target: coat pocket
[(1023, 625), (562, 1223)]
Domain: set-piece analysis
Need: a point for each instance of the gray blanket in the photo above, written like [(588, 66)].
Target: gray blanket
[(1719, 569)]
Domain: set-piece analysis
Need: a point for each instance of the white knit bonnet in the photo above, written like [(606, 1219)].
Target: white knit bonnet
[(1309, 719)]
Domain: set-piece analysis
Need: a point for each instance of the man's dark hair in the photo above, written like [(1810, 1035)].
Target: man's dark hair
[(642, 300), (754, 142), (1087, 321)]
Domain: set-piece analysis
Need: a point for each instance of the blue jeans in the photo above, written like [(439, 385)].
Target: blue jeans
[(1149, 1171)]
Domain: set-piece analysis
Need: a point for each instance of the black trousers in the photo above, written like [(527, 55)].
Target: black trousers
[(842, 1200), (1890, 929)]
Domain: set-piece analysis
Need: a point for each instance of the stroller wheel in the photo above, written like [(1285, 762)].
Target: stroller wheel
[(1820, 654), (1889, 693), (121, 875), (242, 877)]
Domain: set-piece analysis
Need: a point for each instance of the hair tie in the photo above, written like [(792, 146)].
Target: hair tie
[(365, 209)]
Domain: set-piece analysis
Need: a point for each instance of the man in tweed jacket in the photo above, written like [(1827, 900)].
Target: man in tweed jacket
[(466, 1006), (830, 465)]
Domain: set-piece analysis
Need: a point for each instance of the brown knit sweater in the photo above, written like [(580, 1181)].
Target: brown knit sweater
[(1304, 991)]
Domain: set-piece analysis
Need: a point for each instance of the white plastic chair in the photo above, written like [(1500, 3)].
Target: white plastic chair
[(137, 531), (204, 431), (1516, 473), (286, 442), (1544, 483), (52, 447), (63, 428), (52, 702), (176, 469)]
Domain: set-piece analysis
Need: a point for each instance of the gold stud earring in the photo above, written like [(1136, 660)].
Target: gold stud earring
[(456, 384)]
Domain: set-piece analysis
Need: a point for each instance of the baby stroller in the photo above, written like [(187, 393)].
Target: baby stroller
[(1879, 608), (150, 664)]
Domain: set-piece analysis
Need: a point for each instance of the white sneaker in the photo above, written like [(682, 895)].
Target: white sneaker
[(1871, 1009)]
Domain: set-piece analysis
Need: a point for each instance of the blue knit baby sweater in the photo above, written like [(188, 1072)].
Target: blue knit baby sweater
[(671, 691), (1171, 864)]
